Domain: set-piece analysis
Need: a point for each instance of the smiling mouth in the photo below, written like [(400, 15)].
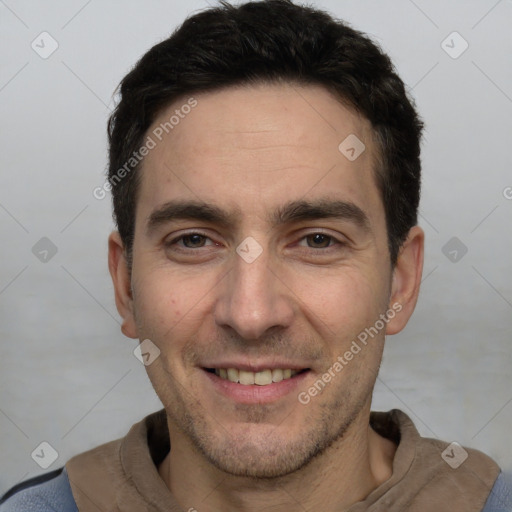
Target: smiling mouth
[(261, 378)]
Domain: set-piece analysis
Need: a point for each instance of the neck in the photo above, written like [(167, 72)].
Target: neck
[(349, 470)]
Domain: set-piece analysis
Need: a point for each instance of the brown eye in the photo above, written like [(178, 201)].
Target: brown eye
[(193, 241), (318, 240)]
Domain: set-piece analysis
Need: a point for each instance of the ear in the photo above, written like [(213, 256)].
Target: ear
[(119, 271), (406, 280)]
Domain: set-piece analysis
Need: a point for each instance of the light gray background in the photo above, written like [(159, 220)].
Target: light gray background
[(68, 376)]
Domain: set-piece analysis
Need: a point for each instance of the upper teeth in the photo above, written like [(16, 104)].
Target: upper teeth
[(262, 378)]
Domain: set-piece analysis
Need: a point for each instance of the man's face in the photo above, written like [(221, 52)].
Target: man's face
[(265, 163)]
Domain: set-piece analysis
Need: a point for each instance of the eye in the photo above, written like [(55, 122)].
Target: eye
[(318, 241), (192, 240)]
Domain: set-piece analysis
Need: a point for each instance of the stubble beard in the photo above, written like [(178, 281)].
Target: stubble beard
[(261, 450)]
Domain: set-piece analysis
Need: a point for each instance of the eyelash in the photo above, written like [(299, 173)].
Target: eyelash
[(333, 241), (184, 235)]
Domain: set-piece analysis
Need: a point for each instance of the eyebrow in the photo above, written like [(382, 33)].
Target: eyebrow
[(189, 210), (294, 211)]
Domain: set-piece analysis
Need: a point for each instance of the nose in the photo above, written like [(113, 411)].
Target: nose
[(253, 299)]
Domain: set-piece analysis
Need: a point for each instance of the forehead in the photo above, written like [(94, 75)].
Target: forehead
[(254, 148)]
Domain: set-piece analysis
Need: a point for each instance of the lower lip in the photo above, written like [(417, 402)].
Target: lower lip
[(254, 394)]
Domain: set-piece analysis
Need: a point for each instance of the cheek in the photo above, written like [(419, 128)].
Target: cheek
[(342, 303), (166, 304)]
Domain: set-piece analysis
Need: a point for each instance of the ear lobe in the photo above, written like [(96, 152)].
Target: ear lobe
[(120, 273), (406, 282)]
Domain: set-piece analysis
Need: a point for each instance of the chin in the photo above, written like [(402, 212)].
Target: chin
[(262, 461), (265, 452)]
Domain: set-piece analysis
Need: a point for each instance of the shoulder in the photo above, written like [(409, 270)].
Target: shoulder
[(50, 492), (500, 498)]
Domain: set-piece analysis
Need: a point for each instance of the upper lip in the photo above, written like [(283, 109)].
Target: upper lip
[(256, 366)]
